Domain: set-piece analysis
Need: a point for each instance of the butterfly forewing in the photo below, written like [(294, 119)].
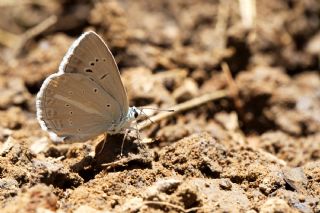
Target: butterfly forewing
[(90, 56)]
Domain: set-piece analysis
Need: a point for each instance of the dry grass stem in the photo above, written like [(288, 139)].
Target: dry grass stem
[(184, 106), (33, 32), (248, 13), (233, 88)]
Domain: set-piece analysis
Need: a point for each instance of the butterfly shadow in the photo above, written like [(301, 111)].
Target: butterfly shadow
[(111, 155)]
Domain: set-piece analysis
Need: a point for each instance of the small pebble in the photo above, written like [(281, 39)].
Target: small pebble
[(225, 184)]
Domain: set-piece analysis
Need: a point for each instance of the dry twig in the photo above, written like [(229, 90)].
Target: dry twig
[(184, 106), (18, 42), (232, 86), (222, 25), (248, 13), (33, 32)]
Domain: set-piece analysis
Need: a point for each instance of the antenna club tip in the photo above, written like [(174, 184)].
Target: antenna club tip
[(164, 110)]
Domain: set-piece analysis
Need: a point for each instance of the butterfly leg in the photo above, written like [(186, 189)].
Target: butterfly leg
[(124, 138), (138, 133), (104, 142)]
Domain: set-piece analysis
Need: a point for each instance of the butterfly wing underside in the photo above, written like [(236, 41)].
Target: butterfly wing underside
[(68, 107), (90, 56), (86, 97)]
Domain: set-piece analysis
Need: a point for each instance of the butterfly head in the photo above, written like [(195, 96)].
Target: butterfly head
[(134, 113)]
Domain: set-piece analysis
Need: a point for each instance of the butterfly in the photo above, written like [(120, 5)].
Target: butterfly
[(86, 97)]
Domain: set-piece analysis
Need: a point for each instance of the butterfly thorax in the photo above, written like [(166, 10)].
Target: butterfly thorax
[(125, 122)]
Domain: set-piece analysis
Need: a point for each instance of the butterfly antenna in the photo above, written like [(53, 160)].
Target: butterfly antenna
[(161, 110), (146, 115)]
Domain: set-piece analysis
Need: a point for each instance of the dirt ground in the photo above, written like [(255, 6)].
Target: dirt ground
[(256, 149)]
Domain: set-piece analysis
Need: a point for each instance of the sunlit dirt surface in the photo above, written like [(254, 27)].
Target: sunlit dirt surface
[(255, 150)]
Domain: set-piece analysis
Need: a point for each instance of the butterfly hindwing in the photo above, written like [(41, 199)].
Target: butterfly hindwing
[(70, 104)]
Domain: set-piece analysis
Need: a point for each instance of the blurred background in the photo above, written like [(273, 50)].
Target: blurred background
[(265, 46)]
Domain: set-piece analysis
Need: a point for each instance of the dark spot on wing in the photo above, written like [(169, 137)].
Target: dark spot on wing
[(105, 75), (92, 63), (71, 112), (95, 90), (108, 105), (104, 59), (67, 105), (88, 70), (97, 59)]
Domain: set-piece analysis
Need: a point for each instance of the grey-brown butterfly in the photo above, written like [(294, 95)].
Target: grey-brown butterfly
[(86, 97)]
